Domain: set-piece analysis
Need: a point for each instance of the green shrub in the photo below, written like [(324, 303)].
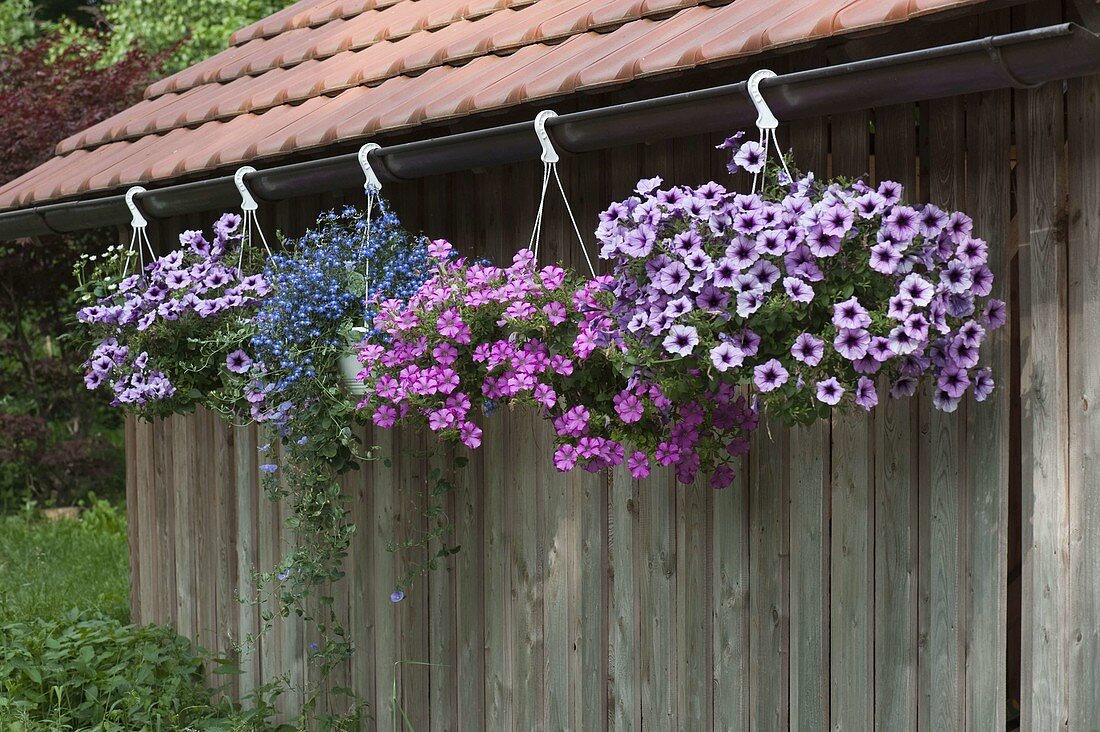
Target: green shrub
[(94, 673)]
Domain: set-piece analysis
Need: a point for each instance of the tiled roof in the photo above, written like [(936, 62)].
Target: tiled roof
[(326, 71)]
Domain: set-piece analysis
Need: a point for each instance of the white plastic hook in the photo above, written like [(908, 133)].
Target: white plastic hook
[(373, 182), (765, 119), (137, 221), (248, 203), (549, 154)]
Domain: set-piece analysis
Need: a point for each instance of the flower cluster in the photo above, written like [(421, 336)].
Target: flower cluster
[(475, 336), (804, 290), (469, 338), (319, 291), (160, 346)]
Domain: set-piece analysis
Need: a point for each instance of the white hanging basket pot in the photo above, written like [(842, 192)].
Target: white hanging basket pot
[(349, 363)]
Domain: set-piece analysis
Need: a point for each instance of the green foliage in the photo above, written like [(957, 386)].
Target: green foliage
[(48, 568), (201, 28), (203, 25), (92, 672), (18, 23)]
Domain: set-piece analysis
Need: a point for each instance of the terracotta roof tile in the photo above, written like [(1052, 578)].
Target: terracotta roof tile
[(326, 71)]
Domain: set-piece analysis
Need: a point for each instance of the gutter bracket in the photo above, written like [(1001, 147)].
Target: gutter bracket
[(998, 58), (373, 183), (549, 154), (248, 202), (137, 221)]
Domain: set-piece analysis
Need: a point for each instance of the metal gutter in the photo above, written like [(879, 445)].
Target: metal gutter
[(1022, 59)]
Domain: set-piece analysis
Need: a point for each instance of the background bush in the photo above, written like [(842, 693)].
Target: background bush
[(91, 672)]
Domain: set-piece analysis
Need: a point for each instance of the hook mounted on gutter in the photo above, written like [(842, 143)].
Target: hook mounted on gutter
[(765, 118), (137, 220), (373, 183), (549, 154), (248, 203)]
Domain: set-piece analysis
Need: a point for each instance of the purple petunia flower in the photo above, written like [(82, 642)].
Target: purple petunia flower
[(850, 314), (238, 362), (750, 156), (726, 356), (829, 391), (638, 464), (902, 223), (769, 375), (397, 596), (953, 381), (836, 220), (917, 289), (852, 343), (798, 290), (672, 278), (866, 395), (681, 340), (808, 349)]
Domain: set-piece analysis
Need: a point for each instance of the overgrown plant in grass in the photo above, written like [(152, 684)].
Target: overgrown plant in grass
[(90, 672)]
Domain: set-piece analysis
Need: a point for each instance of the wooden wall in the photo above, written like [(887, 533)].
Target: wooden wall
[(854, 577)]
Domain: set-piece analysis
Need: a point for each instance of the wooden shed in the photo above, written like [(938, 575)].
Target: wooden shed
[(906, 569)]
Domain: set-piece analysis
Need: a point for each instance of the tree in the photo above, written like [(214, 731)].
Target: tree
[(57, 440), (55, 87)]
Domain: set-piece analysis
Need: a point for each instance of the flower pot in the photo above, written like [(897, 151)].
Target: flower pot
[(349, 369), (349, 362)]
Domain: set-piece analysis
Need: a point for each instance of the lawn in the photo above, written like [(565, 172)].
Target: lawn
[(48, 568)]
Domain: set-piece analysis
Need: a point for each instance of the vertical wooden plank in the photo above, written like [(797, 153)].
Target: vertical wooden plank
[(988, 125), (624, 711), (896, 517), (412, 612), (469, 592), (463, 226), (1044, 431), (363, 585), (1084, 389), (247, 492), (226, 548), (161, 437), (730, 601), (204, 503), (809, 520), (384, 476), (525, 560), (769, 574), (268, 555), (496, 454), (560, 571), (185, 529), (135, 504), (942, 468), (587, 498), (852, 541), (809, 596), (656, 612)]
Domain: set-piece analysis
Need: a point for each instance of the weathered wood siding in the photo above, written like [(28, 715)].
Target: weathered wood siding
[(855, 575)]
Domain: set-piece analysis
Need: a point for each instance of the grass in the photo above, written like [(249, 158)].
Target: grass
[(48, 568)]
